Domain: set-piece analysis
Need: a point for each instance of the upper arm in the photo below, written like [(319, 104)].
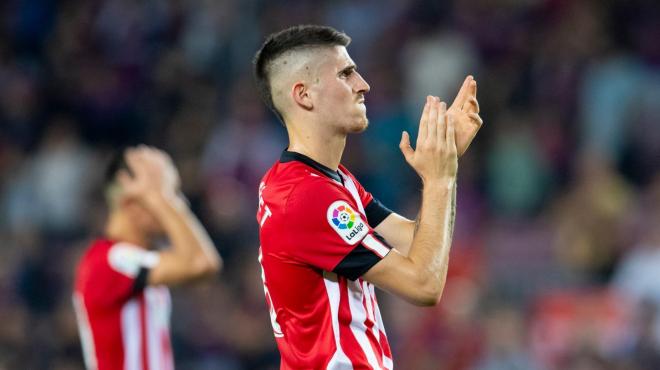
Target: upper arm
[(398, 231)]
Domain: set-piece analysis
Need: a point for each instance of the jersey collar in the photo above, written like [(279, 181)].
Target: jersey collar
[(288, 156)]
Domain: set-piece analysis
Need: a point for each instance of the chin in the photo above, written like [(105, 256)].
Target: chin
[(359, 126)]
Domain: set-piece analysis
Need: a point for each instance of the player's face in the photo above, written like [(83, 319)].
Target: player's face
[(340, 92)]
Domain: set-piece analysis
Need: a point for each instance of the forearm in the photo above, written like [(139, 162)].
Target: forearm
[(431, 243), (189, 241)]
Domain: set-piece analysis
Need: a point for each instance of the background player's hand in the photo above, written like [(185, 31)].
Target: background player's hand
[(434, 156), (153, 173), (465, 112)]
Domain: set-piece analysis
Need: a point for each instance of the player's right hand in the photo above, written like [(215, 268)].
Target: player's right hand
[(435, 155), (153, 173)]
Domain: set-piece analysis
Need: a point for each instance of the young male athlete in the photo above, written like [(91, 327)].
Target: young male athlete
[(120, 297), (324, 239)]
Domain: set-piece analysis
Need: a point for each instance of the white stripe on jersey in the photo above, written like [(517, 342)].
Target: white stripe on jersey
[(131, 330), (339, 360), (375, 246), (86, 337), (359, 315), (153, 329), (368, 302), (350, 185), (387, 362)]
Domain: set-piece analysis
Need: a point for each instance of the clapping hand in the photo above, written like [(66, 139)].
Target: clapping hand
[(465, 113)]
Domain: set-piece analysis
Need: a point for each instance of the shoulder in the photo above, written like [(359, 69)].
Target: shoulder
[(121, 257), (314, 191), (97, 251), (93, 262)]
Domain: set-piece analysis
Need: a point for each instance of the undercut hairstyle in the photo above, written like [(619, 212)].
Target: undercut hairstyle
[(291, 39), (111, 188), (116, 164)]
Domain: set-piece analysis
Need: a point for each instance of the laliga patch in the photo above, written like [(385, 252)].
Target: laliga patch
[(346, 222)]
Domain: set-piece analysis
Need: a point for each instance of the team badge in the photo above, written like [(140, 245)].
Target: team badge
[(346, 222)]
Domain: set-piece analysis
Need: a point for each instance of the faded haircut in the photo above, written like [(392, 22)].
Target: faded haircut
[(116, 165), (291, 39)]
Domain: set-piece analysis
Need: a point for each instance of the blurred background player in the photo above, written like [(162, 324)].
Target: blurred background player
[(324, 239), (121, 298)]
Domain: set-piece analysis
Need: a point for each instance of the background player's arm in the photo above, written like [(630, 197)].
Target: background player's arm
[(419, 277), (155, 182)]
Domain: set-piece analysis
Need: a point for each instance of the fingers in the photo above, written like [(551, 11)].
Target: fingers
[(135, 160), (424, 122), (441, 123), (472, 105), (404, 145), (450, 137), (476, 118), (464, 92), (144, 163), (433, 120)]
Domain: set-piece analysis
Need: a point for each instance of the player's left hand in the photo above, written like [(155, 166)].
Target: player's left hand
[(465, 112), (152, 173)]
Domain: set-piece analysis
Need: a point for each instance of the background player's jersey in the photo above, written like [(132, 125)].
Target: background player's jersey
[(123, 324), (317, 240)]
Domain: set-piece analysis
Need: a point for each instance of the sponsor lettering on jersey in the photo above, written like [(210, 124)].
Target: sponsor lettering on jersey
[(346, 222)]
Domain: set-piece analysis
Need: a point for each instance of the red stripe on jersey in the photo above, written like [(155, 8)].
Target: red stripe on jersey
[(372, 329), (348, 341)]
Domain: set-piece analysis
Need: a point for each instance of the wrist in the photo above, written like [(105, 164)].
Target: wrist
[(447, 182)]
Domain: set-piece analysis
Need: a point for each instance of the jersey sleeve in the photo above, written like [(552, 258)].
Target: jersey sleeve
[(326, 230), (120, 273)]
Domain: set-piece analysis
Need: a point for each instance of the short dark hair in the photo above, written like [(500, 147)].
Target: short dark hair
[(292, 38), (116, 164)]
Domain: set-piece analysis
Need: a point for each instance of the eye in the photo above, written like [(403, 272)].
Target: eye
[(346, 73)]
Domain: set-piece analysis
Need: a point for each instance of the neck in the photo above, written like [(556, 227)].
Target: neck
[(325, 148), (120, 228)]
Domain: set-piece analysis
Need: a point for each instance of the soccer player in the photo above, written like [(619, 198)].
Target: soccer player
[(121, 298), (325, 240)]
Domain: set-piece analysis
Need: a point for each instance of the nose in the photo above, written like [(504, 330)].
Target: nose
[(361, 85)]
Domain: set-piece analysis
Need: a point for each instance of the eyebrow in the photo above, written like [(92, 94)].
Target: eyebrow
[(348, 68)]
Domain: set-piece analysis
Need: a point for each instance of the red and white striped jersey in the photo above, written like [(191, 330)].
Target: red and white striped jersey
[(123, 323), (317, 240)]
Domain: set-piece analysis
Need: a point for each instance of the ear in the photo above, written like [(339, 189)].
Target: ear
[(301, 95)]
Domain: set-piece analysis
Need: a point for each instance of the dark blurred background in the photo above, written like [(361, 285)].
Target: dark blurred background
[(556, 259)]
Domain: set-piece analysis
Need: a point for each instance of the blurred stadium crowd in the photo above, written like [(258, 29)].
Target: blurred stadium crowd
[(556, 260)]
